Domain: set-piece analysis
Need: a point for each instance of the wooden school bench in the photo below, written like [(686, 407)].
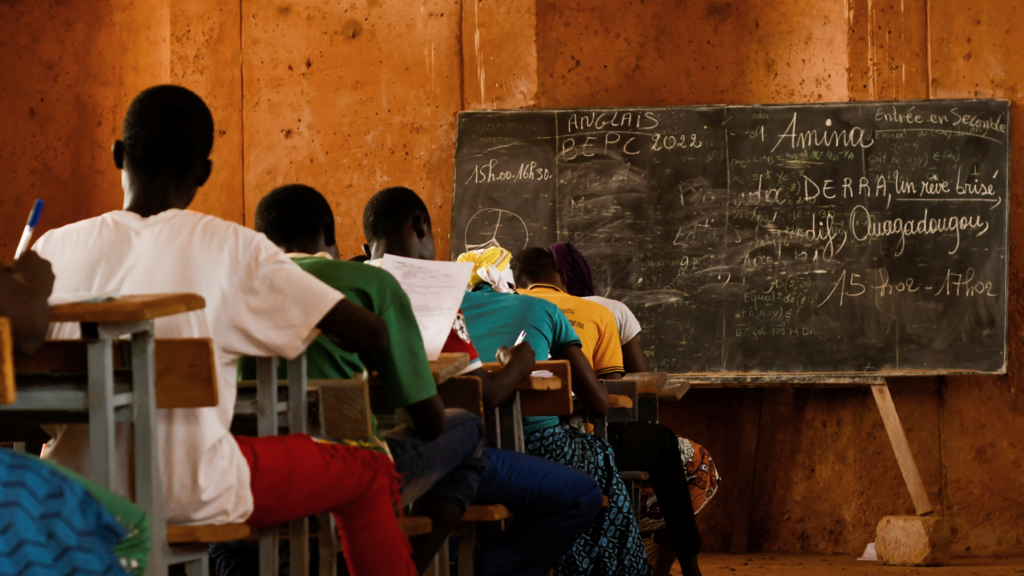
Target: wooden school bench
[(339, 409)]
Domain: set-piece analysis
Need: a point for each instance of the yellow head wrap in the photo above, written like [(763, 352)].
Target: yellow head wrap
[(483, 261)]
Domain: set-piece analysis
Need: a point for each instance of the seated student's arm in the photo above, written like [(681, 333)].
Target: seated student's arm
[(426, 417), (401, 364), (633, 359), (354, 328), (24, 288), (516, 365), (585, 384)]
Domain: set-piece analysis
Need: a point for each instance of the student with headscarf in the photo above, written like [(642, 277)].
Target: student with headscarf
[(580, 282), (495, 315)]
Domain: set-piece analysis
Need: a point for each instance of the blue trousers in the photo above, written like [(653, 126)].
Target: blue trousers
[(553, 505), (448, 467)]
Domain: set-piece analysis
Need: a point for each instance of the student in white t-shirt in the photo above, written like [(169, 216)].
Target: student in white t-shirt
[(258, 303)]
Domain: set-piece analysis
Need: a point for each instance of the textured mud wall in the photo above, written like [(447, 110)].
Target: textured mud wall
[(68, 70), (977, 51), (352, 97), (357, 95)]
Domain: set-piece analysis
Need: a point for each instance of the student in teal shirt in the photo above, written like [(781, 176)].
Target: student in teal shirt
[(492, 318), (612, 545)]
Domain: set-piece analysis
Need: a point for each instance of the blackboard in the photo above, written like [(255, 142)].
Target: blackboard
[(824, 238)]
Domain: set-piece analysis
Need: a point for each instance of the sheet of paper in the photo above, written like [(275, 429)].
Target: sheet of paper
[(435, 290), (81, 298)]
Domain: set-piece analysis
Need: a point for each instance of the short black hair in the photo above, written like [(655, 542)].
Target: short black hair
[(389, 210), (295, 212), (167, 132), (533, 265)]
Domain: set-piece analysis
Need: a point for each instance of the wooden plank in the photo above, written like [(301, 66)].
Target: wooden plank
[(464, 392), (488, 513), (546, 403), (539, 383), (61, 357), (619, 401), (648, 383), (735, 380), (186, 373), (904, 457), (132, 308), (674, 390), (448, 365), (186, 369), (344, 409), (415, 525), (749, 428), (7, 393), (552, 402), (207, 534), (559, 368)]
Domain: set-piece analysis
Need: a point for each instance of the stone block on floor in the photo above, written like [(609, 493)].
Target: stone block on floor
[(913, 541)]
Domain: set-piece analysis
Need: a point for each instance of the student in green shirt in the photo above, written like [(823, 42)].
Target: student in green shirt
[(439, 453), (553, 504)]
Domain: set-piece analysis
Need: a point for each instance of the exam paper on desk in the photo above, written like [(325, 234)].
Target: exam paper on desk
[(435, 291)]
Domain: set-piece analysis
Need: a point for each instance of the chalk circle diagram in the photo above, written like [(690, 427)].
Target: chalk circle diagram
[(496, 227)]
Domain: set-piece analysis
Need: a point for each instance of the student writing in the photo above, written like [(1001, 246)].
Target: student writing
[(554, 504)]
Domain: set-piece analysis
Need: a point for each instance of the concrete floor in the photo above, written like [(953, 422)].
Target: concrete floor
[(820, 565)]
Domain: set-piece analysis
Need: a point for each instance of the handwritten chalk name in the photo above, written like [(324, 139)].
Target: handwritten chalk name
[(855, 137)]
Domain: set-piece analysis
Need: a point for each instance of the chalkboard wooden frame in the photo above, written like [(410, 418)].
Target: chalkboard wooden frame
[(513, 171)]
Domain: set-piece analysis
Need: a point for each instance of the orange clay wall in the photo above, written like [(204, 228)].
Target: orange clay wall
[(352, 96)]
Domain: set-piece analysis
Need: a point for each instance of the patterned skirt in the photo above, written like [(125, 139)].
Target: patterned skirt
[(612, 546), (702, 477)]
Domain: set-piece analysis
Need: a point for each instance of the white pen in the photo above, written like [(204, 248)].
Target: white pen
[(26, 236), (520, 339)]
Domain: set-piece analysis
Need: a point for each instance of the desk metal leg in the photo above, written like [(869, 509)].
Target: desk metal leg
[(510, 425), (101, 411), (266, 425), (148, 485), (298, 530)]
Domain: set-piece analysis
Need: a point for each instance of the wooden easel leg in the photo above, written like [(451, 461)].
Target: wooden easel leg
[(747, 471), (904, 457)]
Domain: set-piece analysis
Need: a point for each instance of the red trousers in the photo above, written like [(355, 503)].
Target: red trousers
[(294, 476)]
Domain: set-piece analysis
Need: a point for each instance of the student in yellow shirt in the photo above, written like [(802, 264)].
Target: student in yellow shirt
[(652, 448), (594, 324)]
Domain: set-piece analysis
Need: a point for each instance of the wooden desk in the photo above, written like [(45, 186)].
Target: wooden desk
[(102, 323), (448, 365), (132, 308), (7, 393)]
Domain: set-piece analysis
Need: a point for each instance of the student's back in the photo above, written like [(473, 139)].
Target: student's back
[(243, 277), (402, 368), (538, 275), (496, 319)]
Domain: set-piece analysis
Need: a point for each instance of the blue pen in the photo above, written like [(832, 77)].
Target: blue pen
[(26, 236)]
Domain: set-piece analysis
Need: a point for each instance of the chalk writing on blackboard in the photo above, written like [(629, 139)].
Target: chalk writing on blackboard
[(854, 237)]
